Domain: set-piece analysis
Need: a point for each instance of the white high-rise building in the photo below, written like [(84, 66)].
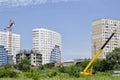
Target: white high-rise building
[(101, 31), (15, 43), (48, 43)]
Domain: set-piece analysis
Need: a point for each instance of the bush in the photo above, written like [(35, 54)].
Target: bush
[(74, 71), (41, 67), (49, 65), (52, 74), (63, 69), (7, 66), (24, 65), (100, 65), (33, 75), (8, 73), (15, 66), (84, 63)]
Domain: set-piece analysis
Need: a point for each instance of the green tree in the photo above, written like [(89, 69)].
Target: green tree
[(113, 59), (100, 65), (97, 65), (84, 63), (24, 65)]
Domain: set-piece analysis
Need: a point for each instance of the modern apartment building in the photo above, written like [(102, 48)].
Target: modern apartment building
[(101, 31), (48, 43), (15, 43), (34, 57), (3, 55)]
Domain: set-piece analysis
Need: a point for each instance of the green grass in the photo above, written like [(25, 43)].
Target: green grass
[(60, 74), (98, 76), (57, 78)]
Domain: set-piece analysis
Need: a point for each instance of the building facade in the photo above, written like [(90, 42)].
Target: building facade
[(34, 57), (3, 55), (15, 43), (101, 31), (48, 43)]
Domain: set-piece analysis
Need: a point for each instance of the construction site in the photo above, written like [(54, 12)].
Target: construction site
[(59, 40)]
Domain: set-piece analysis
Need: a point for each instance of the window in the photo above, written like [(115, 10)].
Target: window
[(106, 26), (115, 24), (107, 46)]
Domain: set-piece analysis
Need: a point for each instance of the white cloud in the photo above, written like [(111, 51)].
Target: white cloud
[(28, 2)]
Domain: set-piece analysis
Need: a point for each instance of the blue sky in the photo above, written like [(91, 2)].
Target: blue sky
[(71, 18)]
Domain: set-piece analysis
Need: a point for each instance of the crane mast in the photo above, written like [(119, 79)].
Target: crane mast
[(9, 29)]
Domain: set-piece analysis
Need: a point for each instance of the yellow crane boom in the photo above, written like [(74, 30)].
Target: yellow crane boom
[(85, 71)]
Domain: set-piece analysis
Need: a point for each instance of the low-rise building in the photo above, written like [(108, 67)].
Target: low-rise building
[(34, 57), (68, 63)]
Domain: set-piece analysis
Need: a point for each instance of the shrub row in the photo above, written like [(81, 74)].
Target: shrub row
[(8, 73)]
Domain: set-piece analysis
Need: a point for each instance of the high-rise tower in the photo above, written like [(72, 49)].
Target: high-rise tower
[(101, 31), (48, 43), (15, 41)]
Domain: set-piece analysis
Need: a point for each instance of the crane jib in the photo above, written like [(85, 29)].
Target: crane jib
[(107, 41)]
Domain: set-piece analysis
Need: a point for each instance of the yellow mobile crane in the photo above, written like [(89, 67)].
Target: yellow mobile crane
[(89, 72)]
